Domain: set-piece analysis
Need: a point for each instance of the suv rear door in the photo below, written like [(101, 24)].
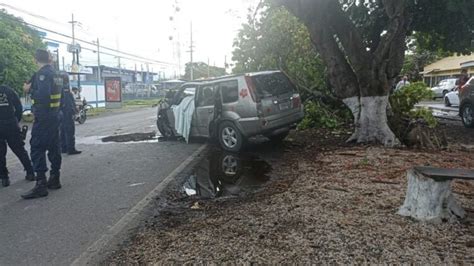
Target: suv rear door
[(276, 93)]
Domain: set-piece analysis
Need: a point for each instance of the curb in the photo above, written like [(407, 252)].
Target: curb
[(93, 253)]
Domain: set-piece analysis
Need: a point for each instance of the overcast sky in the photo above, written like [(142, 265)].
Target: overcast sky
[(142, 27)]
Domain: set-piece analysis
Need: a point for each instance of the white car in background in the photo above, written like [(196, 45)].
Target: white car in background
[(452, 98), (444, 87)]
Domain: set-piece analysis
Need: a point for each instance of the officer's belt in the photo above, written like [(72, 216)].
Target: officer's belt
[(45, 107)]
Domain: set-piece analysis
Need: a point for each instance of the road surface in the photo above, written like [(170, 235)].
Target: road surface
[(100, 186), (441, 111)]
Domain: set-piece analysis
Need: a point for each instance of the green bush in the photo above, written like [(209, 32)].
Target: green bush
[(403, 103), (319, 115)]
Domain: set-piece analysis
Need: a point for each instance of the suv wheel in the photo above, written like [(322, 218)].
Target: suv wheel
[(467, 115), (230, 137), (445, 92), (164, 127)]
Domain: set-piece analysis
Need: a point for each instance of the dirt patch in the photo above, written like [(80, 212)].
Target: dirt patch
[(134, 137), (327, 202)]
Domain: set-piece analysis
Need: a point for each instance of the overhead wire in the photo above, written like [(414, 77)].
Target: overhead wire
[(143, 59)]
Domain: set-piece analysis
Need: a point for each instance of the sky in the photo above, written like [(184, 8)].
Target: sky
[(151, 29)]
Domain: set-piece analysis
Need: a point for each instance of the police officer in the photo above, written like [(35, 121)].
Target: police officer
[(67, 111), (45, 90), (10, 114)]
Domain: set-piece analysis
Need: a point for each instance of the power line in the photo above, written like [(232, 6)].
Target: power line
[(103, 47), (95, 51), (144, 59)]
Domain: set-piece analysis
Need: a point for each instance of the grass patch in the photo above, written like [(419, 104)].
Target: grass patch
[(141, 102), (96, 111)]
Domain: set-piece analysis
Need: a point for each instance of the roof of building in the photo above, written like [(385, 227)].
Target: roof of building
[(448, 63)]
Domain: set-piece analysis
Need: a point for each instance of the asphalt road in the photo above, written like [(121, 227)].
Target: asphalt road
[(441, 111), (99, 187)]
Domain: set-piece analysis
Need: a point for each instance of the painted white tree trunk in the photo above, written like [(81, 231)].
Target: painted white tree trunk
[(430, 201), (371, 123)]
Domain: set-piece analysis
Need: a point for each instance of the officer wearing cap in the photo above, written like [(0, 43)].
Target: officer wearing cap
[(45, 90), (10, 114), (67, 111)]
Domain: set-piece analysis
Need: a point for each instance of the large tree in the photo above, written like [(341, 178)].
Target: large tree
[(18, 44), (273, 38), (202, 70), (363, 43)]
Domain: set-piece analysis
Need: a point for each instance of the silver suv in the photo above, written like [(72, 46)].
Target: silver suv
[(235, 108)]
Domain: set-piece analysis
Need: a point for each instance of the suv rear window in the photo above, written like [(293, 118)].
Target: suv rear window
[(272, 84)]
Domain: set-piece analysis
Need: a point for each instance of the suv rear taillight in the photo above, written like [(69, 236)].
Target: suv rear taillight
[(296, 100), (252, 89)]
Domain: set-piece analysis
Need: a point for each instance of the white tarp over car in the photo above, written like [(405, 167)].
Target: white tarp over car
[(183, 116)]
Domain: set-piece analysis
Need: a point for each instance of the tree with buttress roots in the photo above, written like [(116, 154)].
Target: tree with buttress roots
[(363, 43)]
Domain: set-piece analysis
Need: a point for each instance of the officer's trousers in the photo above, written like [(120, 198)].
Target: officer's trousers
[(45, 138), (68, 131), (10, 134)]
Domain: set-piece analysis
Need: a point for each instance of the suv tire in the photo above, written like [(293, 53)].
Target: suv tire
[(230, 137), (163, 126), (467, 115)]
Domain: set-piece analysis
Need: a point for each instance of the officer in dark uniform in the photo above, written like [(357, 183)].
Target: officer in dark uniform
[(10, 114), (67, 111), (45, 90)]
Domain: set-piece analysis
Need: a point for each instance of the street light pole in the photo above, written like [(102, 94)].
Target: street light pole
[(98, 62)]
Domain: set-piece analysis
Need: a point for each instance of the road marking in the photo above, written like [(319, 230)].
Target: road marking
[(93, 251)]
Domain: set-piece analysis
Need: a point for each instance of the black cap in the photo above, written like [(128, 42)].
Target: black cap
[(42, 56)]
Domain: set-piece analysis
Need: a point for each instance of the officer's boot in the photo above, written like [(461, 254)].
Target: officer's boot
[(40, 189), (5, 181), (53, 182), (30, 176)]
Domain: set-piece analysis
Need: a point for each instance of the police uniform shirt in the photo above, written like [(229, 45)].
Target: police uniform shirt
[(46, 88), (10, 105)]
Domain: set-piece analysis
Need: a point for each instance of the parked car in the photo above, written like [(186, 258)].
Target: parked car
[(443, 87), (452, 98), (232, 109), (466, 110)]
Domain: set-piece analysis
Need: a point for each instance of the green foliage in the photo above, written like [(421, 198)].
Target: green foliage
[(446, 25), (18, 44), (200, 70), (275, 39), (319, 115), (403, 103)]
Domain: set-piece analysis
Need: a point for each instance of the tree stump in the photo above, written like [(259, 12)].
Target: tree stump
[(430, 200)]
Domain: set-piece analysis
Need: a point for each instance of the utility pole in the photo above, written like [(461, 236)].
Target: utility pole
[(98, 62), (208, 68), (75, 53), (73, 24), (191, 51)]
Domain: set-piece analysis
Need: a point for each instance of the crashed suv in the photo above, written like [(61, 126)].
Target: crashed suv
[(232, 109)]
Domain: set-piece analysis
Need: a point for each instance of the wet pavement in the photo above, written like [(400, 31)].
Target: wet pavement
[(223, 174), (100, 186)]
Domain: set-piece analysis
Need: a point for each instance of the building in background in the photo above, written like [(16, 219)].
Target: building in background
[(448, 67)]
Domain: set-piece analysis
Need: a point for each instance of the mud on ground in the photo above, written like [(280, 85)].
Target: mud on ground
[(327, 202)]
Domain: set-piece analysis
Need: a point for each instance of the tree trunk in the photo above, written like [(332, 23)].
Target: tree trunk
[(370, 120), (360, 76), (430, 201)]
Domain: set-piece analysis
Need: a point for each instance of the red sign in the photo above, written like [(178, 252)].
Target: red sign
[(113, 90)]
